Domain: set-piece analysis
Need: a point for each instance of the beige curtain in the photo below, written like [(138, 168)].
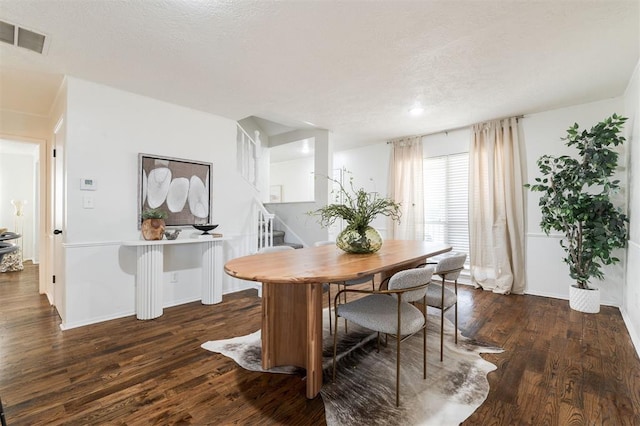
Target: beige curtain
[(496, 207), (406, 187)]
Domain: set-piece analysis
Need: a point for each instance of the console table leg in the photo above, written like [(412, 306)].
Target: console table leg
[(149, 282), (211, 273)]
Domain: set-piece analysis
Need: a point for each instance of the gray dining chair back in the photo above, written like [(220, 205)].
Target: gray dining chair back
[(448, 269), (390, 312), (407, 279), (274, 249)]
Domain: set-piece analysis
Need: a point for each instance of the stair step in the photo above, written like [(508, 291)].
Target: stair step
[(278, 240)]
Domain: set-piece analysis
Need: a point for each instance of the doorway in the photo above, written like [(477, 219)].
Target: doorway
[(20, 198)]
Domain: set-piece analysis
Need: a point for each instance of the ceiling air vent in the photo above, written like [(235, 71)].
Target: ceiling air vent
[(30, 40), (7, 32), (22, 37)]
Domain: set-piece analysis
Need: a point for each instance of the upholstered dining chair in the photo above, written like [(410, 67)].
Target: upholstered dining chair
[(274, 249), (361, 280), (390, 312), (439, 296)]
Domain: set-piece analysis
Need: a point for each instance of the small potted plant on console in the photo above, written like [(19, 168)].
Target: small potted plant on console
[(153, 224)]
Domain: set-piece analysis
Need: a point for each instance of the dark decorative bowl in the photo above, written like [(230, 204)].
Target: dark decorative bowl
[(205, 227), (9, 236)]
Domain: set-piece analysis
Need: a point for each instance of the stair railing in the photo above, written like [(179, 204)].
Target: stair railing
[(248, 151), (265, 226)]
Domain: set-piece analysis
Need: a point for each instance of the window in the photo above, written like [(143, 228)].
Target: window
[(446, 185)]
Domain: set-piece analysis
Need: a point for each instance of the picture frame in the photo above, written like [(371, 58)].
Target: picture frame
[(275, 193), (180, 187)]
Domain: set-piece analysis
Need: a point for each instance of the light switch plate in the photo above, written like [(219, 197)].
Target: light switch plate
[(87, 202)]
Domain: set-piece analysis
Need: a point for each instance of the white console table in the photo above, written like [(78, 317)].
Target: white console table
[(149, 273)]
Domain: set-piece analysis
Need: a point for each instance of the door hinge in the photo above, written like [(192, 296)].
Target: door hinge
[(54, 279), (54, 153)]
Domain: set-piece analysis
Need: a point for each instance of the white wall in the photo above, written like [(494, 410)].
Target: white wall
[(295, 179), (106, 129), (304, 228), (447, 143), (547, 274), (369, 167), (631, 292)]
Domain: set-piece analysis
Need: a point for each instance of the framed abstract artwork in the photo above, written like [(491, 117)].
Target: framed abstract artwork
[(182, 188)]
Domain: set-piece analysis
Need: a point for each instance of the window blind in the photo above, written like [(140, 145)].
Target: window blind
[(446, 186)]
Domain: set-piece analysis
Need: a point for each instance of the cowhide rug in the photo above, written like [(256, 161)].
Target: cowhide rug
[(364, 389)]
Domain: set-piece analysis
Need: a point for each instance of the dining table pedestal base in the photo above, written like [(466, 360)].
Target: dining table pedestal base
[(292, 329), (292, 294)]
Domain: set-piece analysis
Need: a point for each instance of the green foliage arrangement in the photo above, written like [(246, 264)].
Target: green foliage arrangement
[(154, 214), (576, 199), (358, 207)]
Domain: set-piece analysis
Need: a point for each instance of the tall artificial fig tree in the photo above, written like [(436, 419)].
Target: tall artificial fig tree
[(576, 199)]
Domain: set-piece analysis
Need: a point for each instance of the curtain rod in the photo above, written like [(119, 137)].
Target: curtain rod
[(517, 117)]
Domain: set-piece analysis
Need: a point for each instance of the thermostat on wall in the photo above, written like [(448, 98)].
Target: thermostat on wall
[(88, 184)]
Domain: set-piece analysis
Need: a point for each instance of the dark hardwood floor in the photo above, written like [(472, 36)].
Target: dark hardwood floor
[(559, 367)]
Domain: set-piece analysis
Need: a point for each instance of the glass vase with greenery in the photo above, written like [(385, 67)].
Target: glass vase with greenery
[(358, 208)]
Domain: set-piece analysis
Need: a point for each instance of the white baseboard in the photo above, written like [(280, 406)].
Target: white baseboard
[(635, 337), (70, 325), (96, 320), (243, 285), (565, 297), (182, 302)]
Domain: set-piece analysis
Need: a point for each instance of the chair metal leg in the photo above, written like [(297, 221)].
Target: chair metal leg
[(344, 287), (424, 340), (398, 339), (442, 321), (456, 330), (441, 334), (335, 342), (456, 308), (329, 299)]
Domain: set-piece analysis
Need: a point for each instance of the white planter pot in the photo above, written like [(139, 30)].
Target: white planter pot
[(584, 300)]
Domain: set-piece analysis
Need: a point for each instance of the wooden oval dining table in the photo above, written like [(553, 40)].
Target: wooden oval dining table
[(292, 294)]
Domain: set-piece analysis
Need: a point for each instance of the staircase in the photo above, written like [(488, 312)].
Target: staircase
[(278, 240), (267, 235)]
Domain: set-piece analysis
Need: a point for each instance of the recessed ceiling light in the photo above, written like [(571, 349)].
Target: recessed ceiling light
[(416, 110)]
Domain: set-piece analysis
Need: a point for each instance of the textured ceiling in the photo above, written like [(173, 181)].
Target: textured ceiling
[(353, 67)]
